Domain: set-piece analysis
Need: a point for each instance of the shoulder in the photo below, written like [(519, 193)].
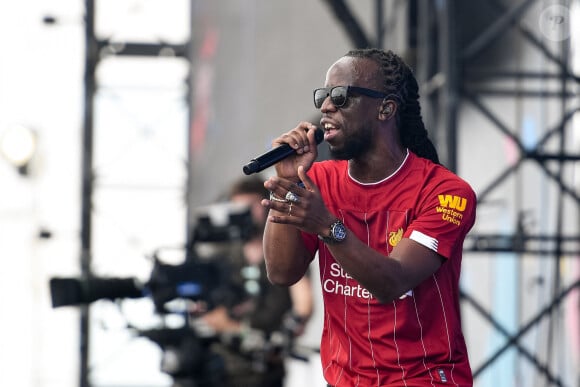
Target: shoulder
[(442, 189), (448, 182), (438, 178)]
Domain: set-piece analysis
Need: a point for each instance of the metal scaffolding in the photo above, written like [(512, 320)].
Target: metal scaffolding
[(98, 48), (452, 77), (456, 78)]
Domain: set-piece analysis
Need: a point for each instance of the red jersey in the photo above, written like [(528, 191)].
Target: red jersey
[(415, 340)]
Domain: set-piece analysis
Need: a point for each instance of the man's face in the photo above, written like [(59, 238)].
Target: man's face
[(350, 128)]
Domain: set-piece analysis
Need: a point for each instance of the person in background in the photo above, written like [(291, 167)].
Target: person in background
[(252, 330), (388, 223)]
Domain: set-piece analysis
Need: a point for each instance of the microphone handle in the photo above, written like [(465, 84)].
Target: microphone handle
[(275, 155), (266, 160)]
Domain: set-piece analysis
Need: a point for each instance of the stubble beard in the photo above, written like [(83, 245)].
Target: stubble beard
[(354, 146)]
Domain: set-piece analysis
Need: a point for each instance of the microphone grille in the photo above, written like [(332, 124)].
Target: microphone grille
[(318, 135)]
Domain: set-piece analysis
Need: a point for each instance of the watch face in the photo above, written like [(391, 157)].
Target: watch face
[(338, 232)]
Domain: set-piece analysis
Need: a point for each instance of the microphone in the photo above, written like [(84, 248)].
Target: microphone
[(277, 154)]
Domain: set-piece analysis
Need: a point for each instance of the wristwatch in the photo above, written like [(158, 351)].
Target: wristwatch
[(337, 233)]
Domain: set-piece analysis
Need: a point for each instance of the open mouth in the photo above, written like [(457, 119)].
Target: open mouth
[(330, 131)]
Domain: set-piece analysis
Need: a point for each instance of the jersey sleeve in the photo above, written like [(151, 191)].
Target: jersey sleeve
[(445, 217), (311, 242)]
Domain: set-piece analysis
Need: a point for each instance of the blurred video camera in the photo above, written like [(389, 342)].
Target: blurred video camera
[(209, 273), (202, 276)]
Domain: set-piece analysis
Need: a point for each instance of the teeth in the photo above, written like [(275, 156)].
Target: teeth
[(328, 126)]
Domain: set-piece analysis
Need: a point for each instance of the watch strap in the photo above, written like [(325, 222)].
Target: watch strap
[(336, 233)]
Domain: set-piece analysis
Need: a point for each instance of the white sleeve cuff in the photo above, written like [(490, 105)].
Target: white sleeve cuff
[(427, 241)]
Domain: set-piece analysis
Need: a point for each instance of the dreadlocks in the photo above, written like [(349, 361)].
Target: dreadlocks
[(401, 85)]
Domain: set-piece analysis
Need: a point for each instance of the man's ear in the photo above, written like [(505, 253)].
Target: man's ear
[(387, 109)]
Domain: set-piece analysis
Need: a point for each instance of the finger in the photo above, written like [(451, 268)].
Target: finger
[(265, 203), (282, 207), (293, 139), (281, 186), (304, 137), (273, 184), (312, 134), (308, 183), (283, 211), (297, 139)]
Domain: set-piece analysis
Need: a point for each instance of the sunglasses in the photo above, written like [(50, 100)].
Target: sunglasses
[(339, 94)]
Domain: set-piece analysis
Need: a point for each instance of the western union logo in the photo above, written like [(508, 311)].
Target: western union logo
[(453, 202)]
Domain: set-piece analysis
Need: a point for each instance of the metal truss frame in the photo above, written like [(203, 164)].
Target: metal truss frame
[(457, 69), (94, 47), (443, 68), (455, 66)]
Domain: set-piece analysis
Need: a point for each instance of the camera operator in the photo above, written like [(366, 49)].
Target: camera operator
[(256, 333)]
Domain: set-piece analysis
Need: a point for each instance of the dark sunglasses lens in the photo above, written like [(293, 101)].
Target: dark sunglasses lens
[(338, 96), (319, 97)]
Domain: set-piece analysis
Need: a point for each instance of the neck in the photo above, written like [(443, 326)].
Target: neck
[(376, 167)]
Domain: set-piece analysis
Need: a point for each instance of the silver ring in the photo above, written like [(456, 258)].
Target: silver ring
[(291, 197), (275, 198), (290, 209)]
